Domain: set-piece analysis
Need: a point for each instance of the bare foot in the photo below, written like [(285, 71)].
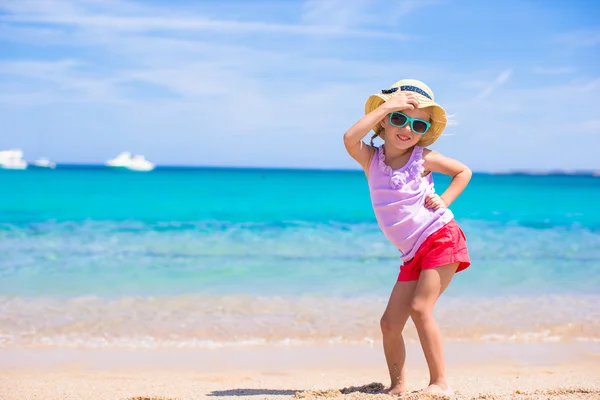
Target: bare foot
[(443, 389), (394, 391)]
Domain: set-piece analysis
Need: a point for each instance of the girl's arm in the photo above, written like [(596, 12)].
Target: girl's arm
[(353, 138), (460, 173)]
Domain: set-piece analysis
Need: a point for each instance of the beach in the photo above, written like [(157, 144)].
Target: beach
[(115, 285), (476, 370)]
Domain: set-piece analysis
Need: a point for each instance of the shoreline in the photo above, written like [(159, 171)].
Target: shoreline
[(238, 321), (559, 370)]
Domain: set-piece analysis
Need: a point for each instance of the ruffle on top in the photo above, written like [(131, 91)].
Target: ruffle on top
[(411, 173)]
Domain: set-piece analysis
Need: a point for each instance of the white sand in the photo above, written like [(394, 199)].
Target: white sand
[(492, 370)]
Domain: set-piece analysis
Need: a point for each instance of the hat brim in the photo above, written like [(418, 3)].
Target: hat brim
[(438, 117)]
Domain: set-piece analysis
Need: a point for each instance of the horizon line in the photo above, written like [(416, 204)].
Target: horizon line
[(522, 171)]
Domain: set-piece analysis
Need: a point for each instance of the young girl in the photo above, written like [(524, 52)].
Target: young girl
[(415, 219)]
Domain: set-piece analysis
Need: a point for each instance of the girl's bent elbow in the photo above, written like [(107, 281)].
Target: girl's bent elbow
[(468, 173), (348, 142)]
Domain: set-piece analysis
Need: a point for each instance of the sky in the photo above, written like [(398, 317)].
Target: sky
[(277, 83)]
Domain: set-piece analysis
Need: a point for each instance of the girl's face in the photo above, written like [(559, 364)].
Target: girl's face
[(404, 138)]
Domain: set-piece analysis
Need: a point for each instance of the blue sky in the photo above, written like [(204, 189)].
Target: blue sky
[(277, 83)]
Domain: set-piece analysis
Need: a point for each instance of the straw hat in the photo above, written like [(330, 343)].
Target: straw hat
[(426, 99)]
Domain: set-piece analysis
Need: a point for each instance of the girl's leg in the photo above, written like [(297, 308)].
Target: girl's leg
[(392, 323), (430, 286)]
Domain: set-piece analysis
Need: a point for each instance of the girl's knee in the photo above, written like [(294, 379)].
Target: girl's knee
[(391, 325), (420, 309)]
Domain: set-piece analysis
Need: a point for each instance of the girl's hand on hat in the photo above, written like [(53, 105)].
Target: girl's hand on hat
[(402, 101), (435, 202)]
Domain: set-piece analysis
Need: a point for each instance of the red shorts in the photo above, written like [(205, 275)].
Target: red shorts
[(447, 245)]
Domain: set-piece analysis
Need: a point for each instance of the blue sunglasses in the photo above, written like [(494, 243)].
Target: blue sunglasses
[(418, 126)]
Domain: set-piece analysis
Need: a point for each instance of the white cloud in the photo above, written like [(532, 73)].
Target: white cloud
[(524, 127), (58, 79), (487, 88), (339, 13), (581, 38), (405, 7), (588, 126), (357, 13), (145, 24), (76, 14), (38, 69), (554, 70), (589, 86)]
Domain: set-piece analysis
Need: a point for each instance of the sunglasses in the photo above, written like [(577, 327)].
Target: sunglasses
[(418, 126)]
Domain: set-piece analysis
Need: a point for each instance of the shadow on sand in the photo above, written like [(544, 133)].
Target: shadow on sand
[(254, 392), (371, 388)]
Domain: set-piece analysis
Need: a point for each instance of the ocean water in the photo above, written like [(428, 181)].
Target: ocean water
[(92, 257)]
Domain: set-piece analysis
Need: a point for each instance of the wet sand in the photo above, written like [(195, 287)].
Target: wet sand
[(476, 370)]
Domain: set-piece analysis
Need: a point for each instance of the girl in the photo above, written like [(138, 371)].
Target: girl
[(410, 214)]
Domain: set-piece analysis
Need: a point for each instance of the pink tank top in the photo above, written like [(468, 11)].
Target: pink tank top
[(398, 198)]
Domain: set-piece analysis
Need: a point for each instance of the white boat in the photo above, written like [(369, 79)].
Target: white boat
[(121, 160), (139, 163), (12, 159), (43, 163), (132, 162)]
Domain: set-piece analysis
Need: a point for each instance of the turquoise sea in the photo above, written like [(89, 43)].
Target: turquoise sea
[(92, 257)]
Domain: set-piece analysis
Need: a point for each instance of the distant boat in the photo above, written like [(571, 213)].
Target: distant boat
[(12, 159), (132, 162), (121, 160), (43, 163)]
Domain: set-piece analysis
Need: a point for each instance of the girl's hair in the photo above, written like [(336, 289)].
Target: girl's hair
[(373, 138)]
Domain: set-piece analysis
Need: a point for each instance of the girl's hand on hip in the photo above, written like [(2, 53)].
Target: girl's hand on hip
[(435, 202)]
